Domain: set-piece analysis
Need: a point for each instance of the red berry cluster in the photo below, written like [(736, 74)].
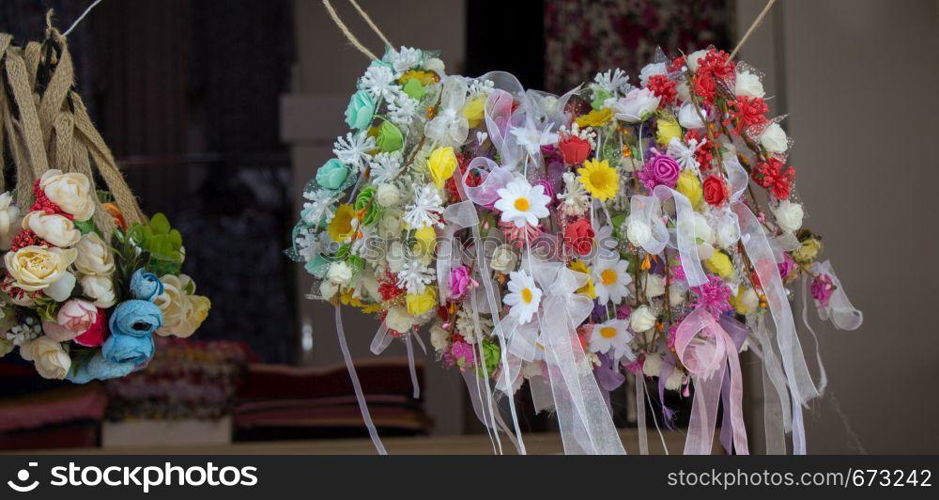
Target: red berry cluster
[(774, 175), (664, 88)]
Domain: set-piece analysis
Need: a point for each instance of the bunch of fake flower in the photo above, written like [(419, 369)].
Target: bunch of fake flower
[(82, 306), (636, 195)]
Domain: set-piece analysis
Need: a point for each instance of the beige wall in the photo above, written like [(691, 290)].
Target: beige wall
[(312, 116), (859, 81)]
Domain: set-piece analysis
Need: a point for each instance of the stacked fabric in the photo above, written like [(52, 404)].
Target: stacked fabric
[(38, 413), (283, 402)]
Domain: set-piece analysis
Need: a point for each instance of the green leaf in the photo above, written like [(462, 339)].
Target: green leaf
[(175, 239), (85, 226)]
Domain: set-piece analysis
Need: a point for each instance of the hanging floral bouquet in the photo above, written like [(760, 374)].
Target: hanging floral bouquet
[(568, 240), (88, 279), (81, 308)]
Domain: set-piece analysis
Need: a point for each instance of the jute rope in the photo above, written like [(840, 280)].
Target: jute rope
[(756, 23), (45, 125), (371, 24), (345, 31)]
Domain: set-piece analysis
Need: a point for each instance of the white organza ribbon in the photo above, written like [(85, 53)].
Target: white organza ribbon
[(685, 240), (839, 310), (647, 210)]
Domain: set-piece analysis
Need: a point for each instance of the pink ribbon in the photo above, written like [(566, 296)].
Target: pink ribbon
[(707, 350)]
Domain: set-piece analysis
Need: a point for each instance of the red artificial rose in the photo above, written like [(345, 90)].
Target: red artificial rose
[(96, 333), (715, 192), (578, 235), (574, 150)]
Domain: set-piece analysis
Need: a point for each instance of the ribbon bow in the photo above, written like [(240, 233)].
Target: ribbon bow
[(707, 350)]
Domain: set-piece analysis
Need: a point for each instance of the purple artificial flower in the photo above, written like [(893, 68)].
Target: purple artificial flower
[(659, 169), (786, 266), (822, 288), (460, 281)]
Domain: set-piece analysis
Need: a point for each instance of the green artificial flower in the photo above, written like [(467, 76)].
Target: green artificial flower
[(492, 356), (332, 175), (599, 97), (360, 111), (389, 137), (414, 89), (162, 243), (365, 202)]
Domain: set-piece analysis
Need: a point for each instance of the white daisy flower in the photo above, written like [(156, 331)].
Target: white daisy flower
[(532, 139), (524, 297), (379, 82), (414, 276), (426, 208), (404, 59), (385, 167), (353, 148), (611, 338), (522, 204), (610, 277)]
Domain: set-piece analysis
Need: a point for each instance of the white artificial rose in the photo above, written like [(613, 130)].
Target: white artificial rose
[(183, 311), (94, 256), (774, 139), (339, 273), (54, 228), (61, 289), (8, 220), (689, 118), (390, 225), (397, 257), (503, 259), (684, 91), (399, 319), (652, 365), (641, 319), (638, 105), (439, 338), (35, 268), (674, 380), (638, 232), (655, 286), (48, 356), (388, 195), (727, 233), (748, 84), (328, 289), (71, 192), (436, 65), (676, 293), (702, 230), (99, 288), (695, 58), (748, 301), (705, 251), (789, 215), (650, 70)]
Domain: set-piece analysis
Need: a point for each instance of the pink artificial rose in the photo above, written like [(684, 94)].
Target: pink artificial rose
[(75, 317), (659, 169), (96, 333), (822, 288), (460, 281), (786, 266)]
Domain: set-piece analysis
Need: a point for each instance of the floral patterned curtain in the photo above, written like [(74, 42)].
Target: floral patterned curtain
[(583, 37)]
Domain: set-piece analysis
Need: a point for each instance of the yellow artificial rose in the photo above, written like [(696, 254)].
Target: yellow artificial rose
[(667, 129), (595, 118), (343, 225), (94, 256), (746, 301), (36, 268), (474, 110), (442, 163), (720, 264), (421, 303), (183, 311), (426, 240), (71, 192), (806, 253), (48, 356), (690, 186)]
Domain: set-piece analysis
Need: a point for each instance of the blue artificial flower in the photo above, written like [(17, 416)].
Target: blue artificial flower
[(132, 325), (145, 285), (98, 368)]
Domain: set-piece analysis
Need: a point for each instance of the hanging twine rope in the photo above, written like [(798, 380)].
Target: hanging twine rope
[(371, 24), (345, 31), (46, 124), (756, 23)]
